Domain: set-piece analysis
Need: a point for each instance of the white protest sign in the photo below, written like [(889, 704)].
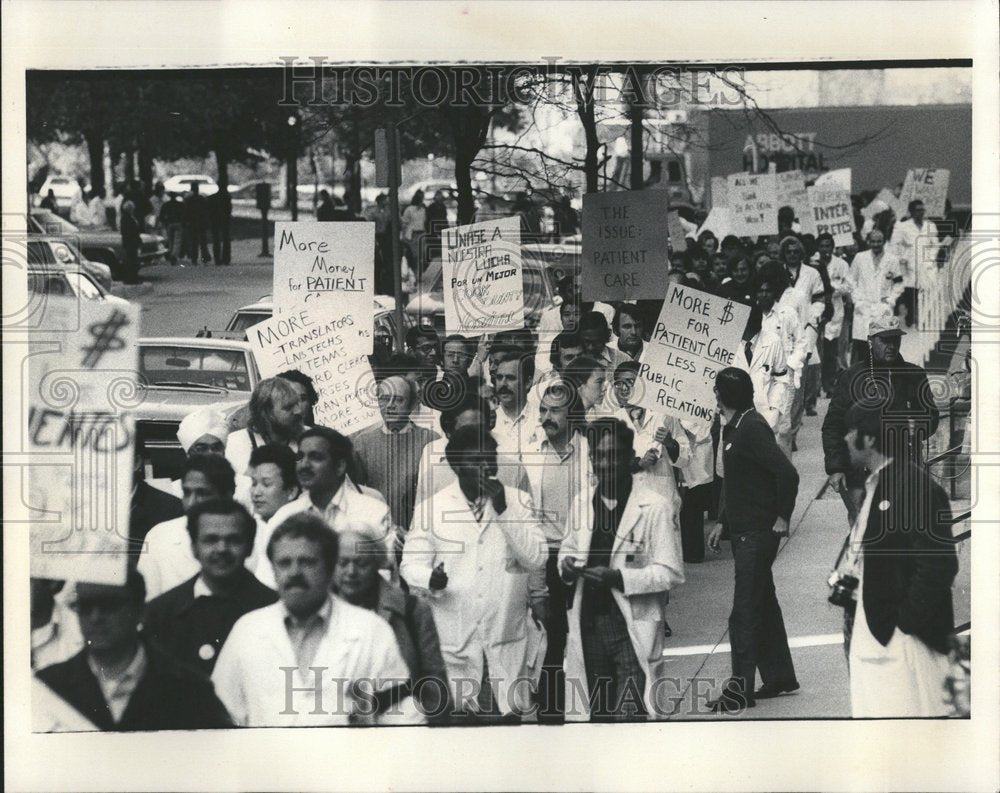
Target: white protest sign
[(696, 335), (830, 213), (483, 277), (719, 222), (791, 192), (929, 185), (329, 268), (625, 238), (314, 344), (720, 192), (885, 196), (839, 178), (753, 204), (82, 386)]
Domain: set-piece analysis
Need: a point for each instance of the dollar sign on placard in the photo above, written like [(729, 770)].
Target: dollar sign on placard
[(727, 313), (105, 338)]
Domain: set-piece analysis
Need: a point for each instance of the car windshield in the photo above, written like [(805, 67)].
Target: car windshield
[(51, 282), (52, 223), (246, 319), (84, 287), (195, 366)]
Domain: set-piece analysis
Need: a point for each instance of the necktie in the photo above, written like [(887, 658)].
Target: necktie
[(478, 507)]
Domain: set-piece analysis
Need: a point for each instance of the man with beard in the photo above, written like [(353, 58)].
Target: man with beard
[(627, 324), (312, 659), (330, 493), (191, 621), (166, 560), (515, 371)]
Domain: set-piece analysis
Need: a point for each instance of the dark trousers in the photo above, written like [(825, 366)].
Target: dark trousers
[(130, 269), (693, 503), (221, 241), (909, 300), (829, 355), (197, 241), (615, 680), (810, 385), (859, 351), (756, 627), (551, 684)]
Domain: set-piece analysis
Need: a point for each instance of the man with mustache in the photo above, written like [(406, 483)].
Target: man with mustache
[(328, 491), (312, 659), (191, 621), (515, 371)]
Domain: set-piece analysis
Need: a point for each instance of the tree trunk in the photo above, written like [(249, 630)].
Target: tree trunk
[(636, 155), (146, 168), (95, 150), (222, 166), (469, 127), (129, 166), (583, 90)]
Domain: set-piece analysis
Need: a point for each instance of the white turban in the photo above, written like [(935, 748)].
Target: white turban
[(204, 421)]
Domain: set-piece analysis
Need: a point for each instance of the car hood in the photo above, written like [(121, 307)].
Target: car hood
[(162, 403)]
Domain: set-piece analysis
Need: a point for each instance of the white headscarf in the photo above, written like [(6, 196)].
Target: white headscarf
[(204, 421)]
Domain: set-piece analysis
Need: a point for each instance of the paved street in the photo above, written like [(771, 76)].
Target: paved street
[(181, 300)]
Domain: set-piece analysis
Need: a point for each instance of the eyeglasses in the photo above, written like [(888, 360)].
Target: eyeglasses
[(105, 605)]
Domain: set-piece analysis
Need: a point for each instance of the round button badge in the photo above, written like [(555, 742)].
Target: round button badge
[(206, 652)]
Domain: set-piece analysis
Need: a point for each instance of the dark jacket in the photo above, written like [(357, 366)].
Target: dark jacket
[(150, 506), (760, 484), (909, 558), (412, 621), (900, 390), (131, 236), (188, 630), (169, 697)]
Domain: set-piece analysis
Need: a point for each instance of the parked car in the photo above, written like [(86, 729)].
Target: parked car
[(46, 250), (56, 280), (97, 245), (543, 265), (65, 189), (182, 183)]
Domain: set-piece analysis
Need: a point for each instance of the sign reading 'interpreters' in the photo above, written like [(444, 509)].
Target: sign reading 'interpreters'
[(330, 269), (483, 277), (315, 344), (830, 213), (696, 335), (625, 237)]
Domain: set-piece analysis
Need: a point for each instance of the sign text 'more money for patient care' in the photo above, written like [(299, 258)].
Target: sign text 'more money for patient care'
[(483, 277), (315, 344), (696, 335), (82, 387), (330, 269), (625, 236)]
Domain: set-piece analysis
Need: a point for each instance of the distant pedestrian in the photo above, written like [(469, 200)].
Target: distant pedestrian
[(171, 219), (324, 211), (131, 242), (436, 220), (49, 202), (412, 231), (195, 219), (220, 211)]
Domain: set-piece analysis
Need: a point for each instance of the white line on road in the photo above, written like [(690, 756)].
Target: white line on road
[(817, 640)]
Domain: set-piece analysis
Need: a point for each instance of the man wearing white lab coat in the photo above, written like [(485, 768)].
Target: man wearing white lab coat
[(623, 555), (471, 553), (839, 273), (876, 283), (311, 659), (915, 244)]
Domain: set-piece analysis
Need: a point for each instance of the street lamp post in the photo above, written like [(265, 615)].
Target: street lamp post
[(292, 166)]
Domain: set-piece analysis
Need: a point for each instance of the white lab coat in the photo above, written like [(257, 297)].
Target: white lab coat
[(660, 477), (840, 272), (484, 610), (251, 681), (873, 289), (769, 370), (647, 551), (916, 248)]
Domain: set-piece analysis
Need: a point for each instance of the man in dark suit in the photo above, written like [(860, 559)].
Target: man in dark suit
[(906, 562), (191, 621), (119, 681), (759, 490)]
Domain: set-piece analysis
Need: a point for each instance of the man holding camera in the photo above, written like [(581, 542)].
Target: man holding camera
[(901, 564)]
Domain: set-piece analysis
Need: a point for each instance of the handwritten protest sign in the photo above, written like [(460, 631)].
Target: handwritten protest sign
[(82, 386), (885, 196), (696, 335), (678, 234), (719, 222), (314, 343), (839, 178), (929, 185), (791, 192), (830, 213), (329, 268), (753, 204), (625, 238), (483, 277), (720, 192)]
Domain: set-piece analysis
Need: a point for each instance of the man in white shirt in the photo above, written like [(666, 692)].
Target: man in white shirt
[(328, 491), (516, 422), (876, 283), (166, 559), (915, 244), (312, 659), (804, 280), (596, 337), (471, 553), (627, 325), (838, 272)]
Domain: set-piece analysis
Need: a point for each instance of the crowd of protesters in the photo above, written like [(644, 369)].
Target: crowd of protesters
[(502, 543)]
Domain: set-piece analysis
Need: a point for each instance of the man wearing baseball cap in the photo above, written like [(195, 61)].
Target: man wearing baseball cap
[(899, 389)]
